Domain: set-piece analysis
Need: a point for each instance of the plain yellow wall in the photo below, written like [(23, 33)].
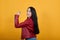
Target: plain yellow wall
[(48, 12)]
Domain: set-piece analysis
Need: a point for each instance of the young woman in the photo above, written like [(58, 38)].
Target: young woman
[(29, 26)]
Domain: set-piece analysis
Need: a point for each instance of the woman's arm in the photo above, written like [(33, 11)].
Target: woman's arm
[(19, 25)]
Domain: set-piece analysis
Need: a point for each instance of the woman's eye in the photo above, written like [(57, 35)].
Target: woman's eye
[(28, 11)]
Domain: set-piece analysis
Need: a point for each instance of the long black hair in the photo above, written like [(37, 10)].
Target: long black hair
[(34, 18)]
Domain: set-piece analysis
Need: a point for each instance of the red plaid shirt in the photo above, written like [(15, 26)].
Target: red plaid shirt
[(27, 27)]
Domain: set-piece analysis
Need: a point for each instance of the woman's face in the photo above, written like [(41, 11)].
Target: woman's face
[(29, 14)]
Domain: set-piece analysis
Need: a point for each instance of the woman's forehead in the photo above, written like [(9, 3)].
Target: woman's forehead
[(28, 9)]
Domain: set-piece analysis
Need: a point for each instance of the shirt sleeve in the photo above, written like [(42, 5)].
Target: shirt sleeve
[(22, 24)]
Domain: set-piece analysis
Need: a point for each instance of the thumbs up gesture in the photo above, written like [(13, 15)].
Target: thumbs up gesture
[(18, 13)]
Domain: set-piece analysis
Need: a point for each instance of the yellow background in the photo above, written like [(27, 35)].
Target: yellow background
[(48, 12)]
